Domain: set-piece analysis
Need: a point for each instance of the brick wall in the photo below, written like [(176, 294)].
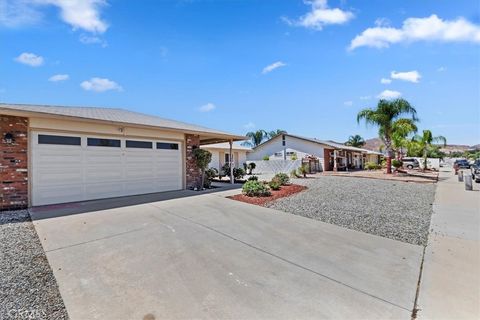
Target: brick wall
[(192, 172), (13, 163)]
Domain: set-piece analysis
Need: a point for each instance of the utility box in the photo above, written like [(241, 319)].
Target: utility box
[(460, 176), (468, 183)]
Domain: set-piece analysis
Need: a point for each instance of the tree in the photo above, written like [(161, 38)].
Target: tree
[(400, 133), (424, 143), (275, 133), (355, 141), (202, 158), (387, 117), (255, 138)]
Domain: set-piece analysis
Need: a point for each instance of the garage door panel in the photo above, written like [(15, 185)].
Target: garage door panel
[(63, 173)]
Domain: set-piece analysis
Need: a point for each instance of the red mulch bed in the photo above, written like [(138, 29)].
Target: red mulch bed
[(284, 191)]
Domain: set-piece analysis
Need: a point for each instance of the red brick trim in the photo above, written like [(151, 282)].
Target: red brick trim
[(192, 172), (13, 163)]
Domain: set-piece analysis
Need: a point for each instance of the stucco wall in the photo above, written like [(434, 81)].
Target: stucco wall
[(301, 147), (219, 154)]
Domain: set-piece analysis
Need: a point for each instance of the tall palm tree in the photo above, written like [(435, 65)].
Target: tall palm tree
[(425, 141), (400, 133), (387, 117), (275, 133), (355, 141), (255, 138)]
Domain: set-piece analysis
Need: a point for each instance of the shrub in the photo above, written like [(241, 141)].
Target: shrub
[(238, 173), (275, 184), (251, 166), (303, 170), (372, 166), (294, 157), (255, 189), (266, 158), (202, 159), (209, 175), (293, 173), (283, 178), (397, 163), (252, 178)]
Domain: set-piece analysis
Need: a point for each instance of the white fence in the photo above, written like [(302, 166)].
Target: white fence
[(432, 163), (275, 166)]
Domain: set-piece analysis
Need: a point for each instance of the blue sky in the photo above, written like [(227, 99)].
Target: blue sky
[(240, 65)]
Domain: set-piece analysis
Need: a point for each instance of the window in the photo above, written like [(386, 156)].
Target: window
[(290, 153), (98, 142), (139, 144), (167, 146), (278, 154), (283, 140), (227, 158), (62, 140)]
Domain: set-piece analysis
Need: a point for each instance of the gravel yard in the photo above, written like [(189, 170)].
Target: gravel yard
[(396, 210), (28, 289)]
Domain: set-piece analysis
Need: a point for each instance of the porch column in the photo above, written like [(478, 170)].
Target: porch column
[(334, 160), (230, 158)]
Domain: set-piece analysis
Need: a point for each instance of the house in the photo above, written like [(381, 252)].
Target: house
[(330, 155), (57, 154), (221, 154)]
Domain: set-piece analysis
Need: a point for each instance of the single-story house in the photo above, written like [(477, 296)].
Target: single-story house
[(221, 154), (330, 155), (57, 154)]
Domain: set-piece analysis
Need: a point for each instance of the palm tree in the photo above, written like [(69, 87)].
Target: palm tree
[(275, 133), (400, 133), (355, 141), (387, 116), (255, 138), (425, 141)]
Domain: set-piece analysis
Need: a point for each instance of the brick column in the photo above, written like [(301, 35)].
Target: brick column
[(192, 172), (13, 163)]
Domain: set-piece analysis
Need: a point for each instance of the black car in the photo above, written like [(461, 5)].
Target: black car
[(462, 164), (475, 168)]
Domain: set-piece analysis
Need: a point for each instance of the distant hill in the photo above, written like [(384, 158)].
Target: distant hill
[(375, 144)]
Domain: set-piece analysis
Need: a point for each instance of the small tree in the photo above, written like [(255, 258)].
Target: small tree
[(202, 158), (424, 143), (251, 166)]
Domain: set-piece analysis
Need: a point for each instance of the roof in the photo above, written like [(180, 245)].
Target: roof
[(226, 145), (115, 115), (329, 143)]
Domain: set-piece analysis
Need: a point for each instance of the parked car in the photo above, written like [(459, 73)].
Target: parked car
[(410, 163), (475, 168), (462, 164)]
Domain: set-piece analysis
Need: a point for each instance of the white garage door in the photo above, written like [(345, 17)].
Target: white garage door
[(69, 167)]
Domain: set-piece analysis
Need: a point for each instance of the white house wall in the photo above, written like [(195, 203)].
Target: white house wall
[(300, 146), (215, 162)]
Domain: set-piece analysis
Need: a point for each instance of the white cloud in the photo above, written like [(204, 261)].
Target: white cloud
[(80, 14), (419, 29), (385, 81), (59, 77), (348, 103), (100, 85), (441, 69), (273, 66), (410, 76), (249, 125), (86, 39), (365, 97), (207, 107), (389, 94), (320, 15), (30, 59)]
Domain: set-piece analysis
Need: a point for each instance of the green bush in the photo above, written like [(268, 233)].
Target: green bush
[(209, 175), (266, 158), (293, 173), (397, 163), (238, 173), (255, 189), (283, 177), (372, 166), (303, 170), (251, 166), (275, 184), (253, 178), (294, 156)]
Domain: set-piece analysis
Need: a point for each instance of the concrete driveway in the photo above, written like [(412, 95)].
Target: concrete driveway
[(206, 256)]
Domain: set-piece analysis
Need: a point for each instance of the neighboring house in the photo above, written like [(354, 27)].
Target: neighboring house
[(53, 154), (221, 154), (330, 155)]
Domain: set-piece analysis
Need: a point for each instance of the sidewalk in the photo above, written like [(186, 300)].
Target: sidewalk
[(450, 284)]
